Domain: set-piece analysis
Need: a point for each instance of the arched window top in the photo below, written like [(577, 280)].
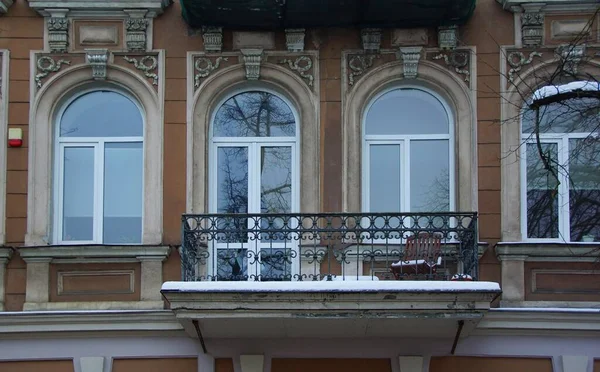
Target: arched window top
[(407, 111), (566, 108), (102, 114), (254, 114)]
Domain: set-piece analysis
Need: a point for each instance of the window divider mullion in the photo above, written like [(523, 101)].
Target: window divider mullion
[(99, 193)]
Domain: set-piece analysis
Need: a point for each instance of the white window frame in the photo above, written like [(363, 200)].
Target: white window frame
[(253, 144), (98, 143), (404, 141), (564, 221)]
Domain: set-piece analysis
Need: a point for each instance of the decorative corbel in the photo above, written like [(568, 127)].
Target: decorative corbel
[(213, 39), (371, 39), (136, 26), (58, 30), (571, 56), (98, 59), (252, 59), (532, 24), (448, 37), (411, 56), (294, 39)]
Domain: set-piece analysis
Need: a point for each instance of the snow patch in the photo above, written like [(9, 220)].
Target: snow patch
[(552, 90), (333, 286)]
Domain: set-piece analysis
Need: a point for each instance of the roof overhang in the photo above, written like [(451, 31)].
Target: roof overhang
[(551, 6), (329, 309), (271, 14), (95, 7)]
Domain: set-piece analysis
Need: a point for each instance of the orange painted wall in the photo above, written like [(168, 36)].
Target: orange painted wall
[(38, 365), (331, 365), (155, 365), (475, 364)]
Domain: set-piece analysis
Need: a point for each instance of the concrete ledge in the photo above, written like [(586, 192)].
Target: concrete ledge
[(85, 321), (544, 305), (549, 252), (99, 305), (93, 251)]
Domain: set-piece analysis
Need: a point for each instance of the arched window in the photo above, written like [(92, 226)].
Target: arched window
[(560, 160), (99, 170), (254, 169), (408, 157)]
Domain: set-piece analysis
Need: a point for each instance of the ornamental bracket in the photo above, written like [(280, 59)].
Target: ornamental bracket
[(252, 59), (294, 39), (410, 57), (213, 39), (371, 39), (532, 24), (98, 59), (136, 26), (58, 30)]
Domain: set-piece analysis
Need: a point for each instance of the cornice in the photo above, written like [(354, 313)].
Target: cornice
[(551, 6), (87, 321), (104, 8), (539, 321)]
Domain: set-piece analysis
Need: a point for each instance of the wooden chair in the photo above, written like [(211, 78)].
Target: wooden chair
[(422, 256)]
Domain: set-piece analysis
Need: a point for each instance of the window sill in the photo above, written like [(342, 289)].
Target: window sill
[(91, 253), (95, 305), (548, 251)]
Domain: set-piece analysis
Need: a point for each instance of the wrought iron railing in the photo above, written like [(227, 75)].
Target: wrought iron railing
[(340, 246)]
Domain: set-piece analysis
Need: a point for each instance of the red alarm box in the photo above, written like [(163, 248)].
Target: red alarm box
[(15, 137)]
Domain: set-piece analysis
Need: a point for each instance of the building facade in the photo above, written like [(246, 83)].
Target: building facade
[(245, 186)]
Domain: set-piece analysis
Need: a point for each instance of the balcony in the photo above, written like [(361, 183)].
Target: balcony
[(330, 247), (329, 276)]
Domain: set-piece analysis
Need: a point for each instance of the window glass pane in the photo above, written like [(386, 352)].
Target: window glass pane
[(102, 114), (232, 180), (429, 176), (276, 180), (254, 114), (542, 192), (232, 264), (384, 178), (78, 194), (570, 116), (584, 190), (407, 111), (123, 175)]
